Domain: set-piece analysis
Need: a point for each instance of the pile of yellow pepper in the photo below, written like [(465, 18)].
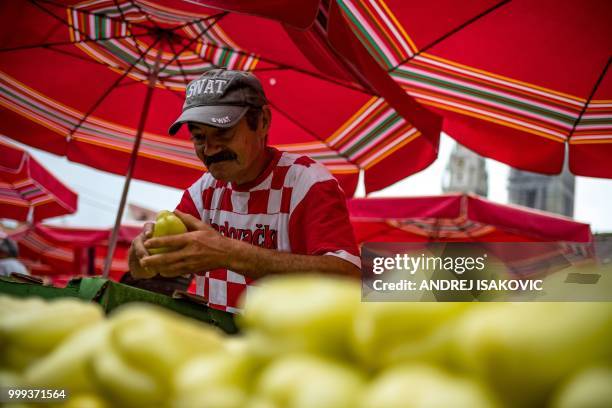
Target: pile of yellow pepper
[(309, 342)]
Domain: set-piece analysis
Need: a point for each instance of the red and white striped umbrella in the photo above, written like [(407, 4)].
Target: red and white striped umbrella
[(520, 81), (458, 218), (64, 252), (329, 98), (25, 185)]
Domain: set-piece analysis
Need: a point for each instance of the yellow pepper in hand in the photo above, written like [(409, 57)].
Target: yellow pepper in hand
[(167, 223)]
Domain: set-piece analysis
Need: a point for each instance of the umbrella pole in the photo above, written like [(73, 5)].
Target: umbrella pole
[(128, 177)]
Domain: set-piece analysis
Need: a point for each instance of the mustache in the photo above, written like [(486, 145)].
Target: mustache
[(219, 157)]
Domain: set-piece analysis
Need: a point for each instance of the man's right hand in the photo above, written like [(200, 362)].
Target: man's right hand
[(138, 251)]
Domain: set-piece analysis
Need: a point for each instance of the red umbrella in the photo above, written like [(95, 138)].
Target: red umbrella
[(518, 81), (553, 242), (25, 185), (108, 63), (459, 218), (73, 82), (57, 252)]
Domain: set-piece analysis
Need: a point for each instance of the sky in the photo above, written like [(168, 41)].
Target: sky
[(100, 192)]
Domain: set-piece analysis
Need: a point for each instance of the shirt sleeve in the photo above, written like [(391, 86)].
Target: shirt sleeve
[(187, 205), (319, 224)]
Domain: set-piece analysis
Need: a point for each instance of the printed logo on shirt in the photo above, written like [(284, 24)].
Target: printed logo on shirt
[(262, 236)]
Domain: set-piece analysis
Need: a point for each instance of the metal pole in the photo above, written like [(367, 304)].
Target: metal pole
[(128, 177)]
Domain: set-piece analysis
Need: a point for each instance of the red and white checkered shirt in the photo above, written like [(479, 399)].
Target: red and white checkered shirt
[(295, 206)]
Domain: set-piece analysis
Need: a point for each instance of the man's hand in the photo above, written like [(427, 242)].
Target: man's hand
[(138, 252), (200, 249)]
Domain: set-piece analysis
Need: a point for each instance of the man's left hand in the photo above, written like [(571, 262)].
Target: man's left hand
[(200, 249)]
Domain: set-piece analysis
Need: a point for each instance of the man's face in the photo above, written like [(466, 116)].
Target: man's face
[(229, 154)]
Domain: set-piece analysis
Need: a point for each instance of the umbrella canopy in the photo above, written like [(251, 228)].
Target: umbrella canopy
[(25, 185), (518, 81), (460, 218), (74, 80), (62, 251)]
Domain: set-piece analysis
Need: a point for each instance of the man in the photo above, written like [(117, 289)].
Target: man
[(257, 211), (8, 258)]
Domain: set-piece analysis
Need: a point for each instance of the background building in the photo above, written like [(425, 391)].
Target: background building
[(548, 193), (465, 173)]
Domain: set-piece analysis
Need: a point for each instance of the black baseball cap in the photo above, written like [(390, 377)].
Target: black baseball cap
[(220, 98)]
